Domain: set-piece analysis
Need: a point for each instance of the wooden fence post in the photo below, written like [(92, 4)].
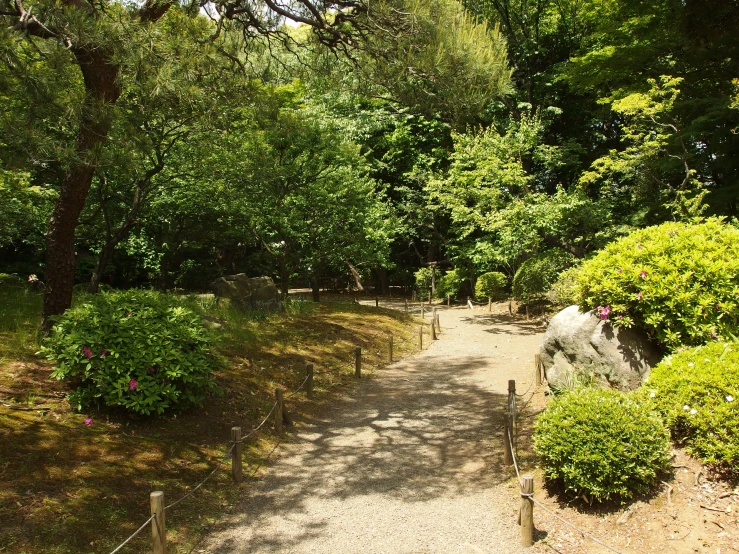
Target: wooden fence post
[(448, 300), (377, 301), (490, 305), (420, 337), (507, 440), (512, 406), (309, 382), (413, 296), (537, 368), (390, 349), (433, 328), (510, 307), (278, 411), (406, 304), (358, 362), (527, 511), (236, 454), (158, 530), (438, 323)]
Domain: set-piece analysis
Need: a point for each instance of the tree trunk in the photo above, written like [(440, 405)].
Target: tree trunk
[(101, 91), (106, 254), (316, 288), (355, 274), (384, 282), (284, 277)]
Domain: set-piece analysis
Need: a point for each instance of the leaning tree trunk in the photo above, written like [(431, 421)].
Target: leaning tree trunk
[(101, 91)]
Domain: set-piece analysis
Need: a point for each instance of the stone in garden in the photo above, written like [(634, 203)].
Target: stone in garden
[(577, 341), (256, 293)]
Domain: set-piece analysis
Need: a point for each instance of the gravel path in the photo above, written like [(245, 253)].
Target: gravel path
[(410, 462)]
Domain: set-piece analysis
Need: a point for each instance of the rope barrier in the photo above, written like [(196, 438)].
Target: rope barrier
[(531, 496), (129, 539), (293, 393)]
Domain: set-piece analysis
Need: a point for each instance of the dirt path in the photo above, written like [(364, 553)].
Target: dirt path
[(408, 463)]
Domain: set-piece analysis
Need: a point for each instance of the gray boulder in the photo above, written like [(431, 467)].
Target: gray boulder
[(256, 293), (582, 341)]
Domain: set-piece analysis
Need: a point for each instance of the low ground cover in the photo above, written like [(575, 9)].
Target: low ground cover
[(71, 487)]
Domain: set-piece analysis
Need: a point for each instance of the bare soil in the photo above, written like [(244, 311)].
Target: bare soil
[(411, 461)]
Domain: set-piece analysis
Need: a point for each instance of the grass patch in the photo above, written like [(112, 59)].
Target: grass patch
[(66, 487)]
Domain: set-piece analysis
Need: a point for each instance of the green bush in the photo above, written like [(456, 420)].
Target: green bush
[(602, 443), (140, 350), (697, 392), (423, 282), (449, 284), (8, 281), (564, 290), (490, 285), (677, 281), (537, 274)]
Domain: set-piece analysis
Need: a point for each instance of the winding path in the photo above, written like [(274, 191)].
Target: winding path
[(410, 462)]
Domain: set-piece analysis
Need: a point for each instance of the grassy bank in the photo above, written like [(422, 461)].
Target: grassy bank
[(68, 487)]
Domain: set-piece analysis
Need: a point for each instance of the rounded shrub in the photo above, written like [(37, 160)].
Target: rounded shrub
[(564, 290), (449, 284), (537, 274), (602, 443), (677, 281), (423, 282), (490, 285), (142, 351), (697, 392)]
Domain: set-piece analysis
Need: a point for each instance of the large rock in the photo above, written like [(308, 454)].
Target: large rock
[(257, 293), (582, 341)]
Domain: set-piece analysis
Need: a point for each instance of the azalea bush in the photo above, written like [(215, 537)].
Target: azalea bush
[(490, 285), (564, 290), (143, 351), (677, 281), (602, 443), (449, 284), (697, 391)]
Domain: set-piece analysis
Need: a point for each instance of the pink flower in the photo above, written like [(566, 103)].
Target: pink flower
[(639, 246), (132, 384), (620, 270), (104, 353), (87, 352), (640, 296), (714, 335), (88, 421), (152, 370), (603, 312), (643, 274)]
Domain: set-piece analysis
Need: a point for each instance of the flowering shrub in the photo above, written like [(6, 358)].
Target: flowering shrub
[(677, 281), (697, 392), (490, 285), (604, 444), (536, 275), (140, 350)]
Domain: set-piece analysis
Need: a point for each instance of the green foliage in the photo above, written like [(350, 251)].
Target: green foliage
[(449, 284), (139, 350), (423, 282), (564, 290), (490, 285), (11, 281), (24, 210), (677, 281), (537, 274), (605, 444), (697, 392)]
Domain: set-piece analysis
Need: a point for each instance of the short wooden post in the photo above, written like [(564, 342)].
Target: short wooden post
[(537, 368), (438, 323), (510, 307), (355, 300), (527, 312), (236, 454), (469, 303), (358, 362), (413, 296), (377, 301), (527, 510), (448, 300), (507, 441), (406, 304), (490, 305), (512, 406), (309, 382), (158, 530), (278, 410), (420, 337), (390, 349), (433, 328)]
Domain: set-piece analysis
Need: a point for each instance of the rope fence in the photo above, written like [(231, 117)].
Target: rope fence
[(526, 482), (281, 417)]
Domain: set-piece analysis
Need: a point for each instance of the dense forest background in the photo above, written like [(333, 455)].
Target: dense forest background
[(351, 147)]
